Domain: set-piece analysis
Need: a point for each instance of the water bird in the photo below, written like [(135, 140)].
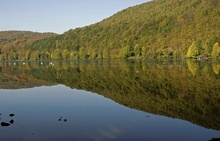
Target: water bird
[(51, 63)]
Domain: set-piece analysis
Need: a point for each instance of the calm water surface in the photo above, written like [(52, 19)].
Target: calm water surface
[(102, 100)]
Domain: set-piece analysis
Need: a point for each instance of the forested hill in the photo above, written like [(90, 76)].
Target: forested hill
[(9, 36), (13, 43), (156, 29)]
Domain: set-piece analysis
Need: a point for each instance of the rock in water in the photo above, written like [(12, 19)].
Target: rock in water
[(11, 115), (12, 121), (4, 124)]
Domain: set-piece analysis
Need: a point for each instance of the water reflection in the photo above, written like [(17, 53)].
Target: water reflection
[(181, 90)]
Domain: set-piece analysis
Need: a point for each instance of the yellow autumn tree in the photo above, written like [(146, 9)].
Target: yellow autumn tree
[(193, 51), (216, 51)]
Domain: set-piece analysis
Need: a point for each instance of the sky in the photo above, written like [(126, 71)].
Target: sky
[(57, 16)]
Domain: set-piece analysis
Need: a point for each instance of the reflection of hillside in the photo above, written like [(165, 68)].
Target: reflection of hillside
[(161, 88), (16, 76)]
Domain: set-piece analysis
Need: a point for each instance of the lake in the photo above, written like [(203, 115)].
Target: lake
[(119, 100)]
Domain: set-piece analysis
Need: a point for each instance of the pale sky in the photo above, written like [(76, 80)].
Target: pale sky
[(57, 15)]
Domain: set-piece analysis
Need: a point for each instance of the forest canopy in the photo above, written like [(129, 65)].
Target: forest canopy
[(155, 29), (13, 44)]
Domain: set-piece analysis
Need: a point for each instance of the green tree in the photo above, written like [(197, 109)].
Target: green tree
[(65, 54), (27, 55), (106, 52), (126, 51), (208, 47), (137, 51), (56, 54), (1, 56), (44, 56), (35, 55)]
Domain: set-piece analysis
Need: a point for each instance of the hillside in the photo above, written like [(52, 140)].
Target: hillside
[(156, 29), (13, 43)]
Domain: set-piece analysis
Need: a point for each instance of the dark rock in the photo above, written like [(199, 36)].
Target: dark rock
[(11, 115), (215, 139), (4, 124), (12, 121)]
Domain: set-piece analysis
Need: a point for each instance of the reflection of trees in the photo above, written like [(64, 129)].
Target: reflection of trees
[(163, 88), (193, 66), (15, 75), (198, 68), (216, 68)]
